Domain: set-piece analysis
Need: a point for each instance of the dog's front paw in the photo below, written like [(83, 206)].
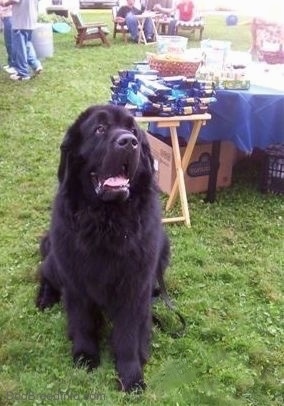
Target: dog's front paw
[(88, 361), (136, 387)]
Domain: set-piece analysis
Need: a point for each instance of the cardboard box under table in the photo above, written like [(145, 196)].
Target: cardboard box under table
[(198, 170)]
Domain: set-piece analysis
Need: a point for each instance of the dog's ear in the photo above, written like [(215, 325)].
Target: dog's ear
[(65, 156), (62, 162), (69, 167), (69, 146)]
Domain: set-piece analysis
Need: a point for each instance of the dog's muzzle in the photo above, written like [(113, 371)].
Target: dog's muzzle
[(119, 167)]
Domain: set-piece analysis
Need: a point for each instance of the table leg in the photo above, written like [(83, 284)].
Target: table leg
[(155, 32), (141, 35), (179, 183), (181, 166)]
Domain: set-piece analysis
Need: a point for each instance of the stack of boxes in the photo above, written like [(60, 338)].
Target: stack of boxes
[(145, 93)]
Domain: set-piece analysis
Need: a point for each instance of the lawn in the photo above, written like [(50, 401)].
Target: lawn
[(226, 273)]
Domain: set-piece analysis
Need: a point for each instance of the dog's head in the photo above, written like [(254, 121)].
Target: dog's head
[(105, 155)]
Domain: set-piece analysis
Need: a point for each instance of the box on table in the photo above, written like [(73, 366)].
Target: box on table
[(198, 170)]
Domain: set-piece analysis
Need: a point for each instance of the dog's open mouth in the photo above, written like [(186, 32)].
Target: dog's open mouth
[(111, 187), (114, 174), (116, 182)]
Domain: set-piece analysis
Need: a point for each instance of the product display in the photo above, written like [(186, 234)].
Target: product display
[(146, 93)]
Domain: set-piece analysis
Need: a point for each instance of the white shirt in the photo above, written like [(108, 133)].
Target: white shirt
[(24, 15)]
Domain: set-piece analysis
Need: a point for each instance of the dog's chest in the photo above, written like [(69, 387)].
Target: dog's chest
[(113, 276), (114, 251), (111, 228)]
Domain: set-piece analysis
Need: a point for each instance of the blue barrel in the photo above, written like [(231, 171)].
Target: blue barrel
[(42, 40), (232, 20)]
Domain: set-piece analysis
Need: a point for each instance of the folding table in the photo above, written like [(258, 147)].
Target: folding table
[(172, 123), (141, 18)]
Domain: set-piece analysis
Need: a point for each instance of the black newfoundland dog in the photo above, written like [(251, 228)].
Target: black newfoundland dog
[(106, 247)]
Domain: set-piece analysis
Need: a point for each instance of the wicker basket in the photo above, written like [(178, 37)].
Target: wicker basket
[(273, 57), (172, 68)]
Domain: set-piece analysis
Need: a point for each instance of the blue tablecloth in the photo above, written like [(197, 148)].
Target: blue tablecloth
[(249, 118)]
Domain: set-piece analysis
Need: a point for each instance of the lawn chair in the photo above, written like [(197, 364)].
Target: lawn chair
[(195, 24), (89, 31), (119, 26)]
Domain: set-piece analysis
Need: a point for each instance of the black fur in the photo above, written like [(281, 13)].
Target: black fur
[(106, 244)]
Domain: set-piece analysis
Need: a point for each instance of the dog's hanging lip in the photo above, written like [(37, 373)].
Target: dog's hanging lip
[(116, 181)]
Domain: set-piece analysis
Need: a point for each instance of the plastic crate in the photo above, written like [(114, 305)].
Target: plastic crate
[(273, 170)]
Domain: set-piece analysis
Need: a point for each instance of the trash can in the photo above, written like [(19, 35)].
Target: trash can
[(42, 40)]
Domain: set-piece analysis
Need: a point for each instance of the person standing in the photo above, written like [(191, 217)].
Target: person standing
[(6, 17), (24, 19)]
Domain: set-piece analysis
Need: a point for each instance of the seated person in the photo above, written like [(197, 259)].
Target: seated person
[(128, 15), (183, 11), (150, 4)]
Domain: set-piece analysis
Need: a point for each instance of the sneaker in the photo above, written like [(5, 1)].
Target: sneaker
[(149, 39), (18, 77), (9, 69), (38, 70)]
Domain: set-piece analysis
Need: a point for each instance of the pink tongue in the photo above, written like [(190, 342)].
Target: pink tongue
[(116, 181)]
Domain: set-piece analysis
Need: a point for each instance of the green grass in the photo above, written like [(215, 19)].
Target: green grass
[(226, 272)]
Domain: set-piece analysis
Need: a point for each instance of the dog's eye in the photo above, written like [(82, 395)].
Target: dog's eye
[(134, 131), (100, 129)]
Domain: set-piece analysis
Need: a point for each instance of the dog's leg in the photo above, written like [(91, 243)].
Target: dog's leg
[(126, 350), (130, 349), (144, 338), (49, 288), (84, 325)]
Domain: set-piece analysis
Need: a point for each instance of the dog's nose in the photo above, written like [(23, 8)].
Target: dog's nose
[(127, 141)]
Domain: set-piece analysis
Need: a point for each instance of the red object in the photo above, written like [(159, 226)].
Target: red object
[(185, 10)]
